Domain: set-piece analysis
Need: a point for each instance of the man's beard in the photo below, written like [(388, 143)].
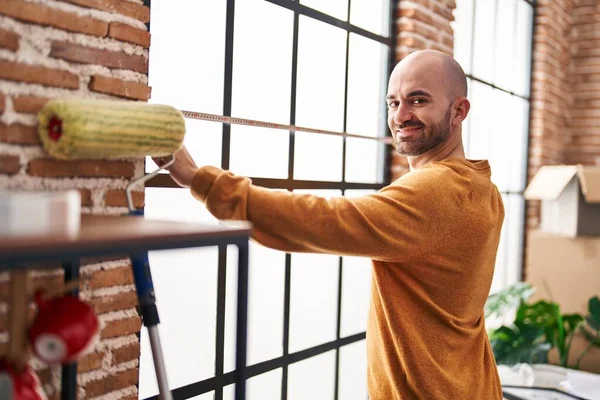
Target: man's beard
[(430, 138)]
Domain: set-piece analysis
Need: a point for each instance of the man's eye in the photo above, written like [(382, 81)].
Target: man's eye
[(393, 104), (418, 101)]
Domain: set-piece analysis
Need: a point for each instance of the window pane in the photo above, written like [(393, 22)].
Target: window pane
[(518, 164), (463, 33), (356, 291), (500, 144), (203, 140), (321, 75), (365, 114), (266, 291), (231, 308), (510, 249), (187, 315), (265, 305), (314, 293), (508, 144), (313, 378), (261, 387), (499, 279), (353, 371), (320, 100), (259, 152), (522, 57), (483, 60), (372, 15), (313, 302), (261, 87), (188, 79), (514, 226), (466, 125), (262, 74), (335, 8), (318, 157), (366, 86), (364, 160), (178, 299), (504, 44), (480, 115)]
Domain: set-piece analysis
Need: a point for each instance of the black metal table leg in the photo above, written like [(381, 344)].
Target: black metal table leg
[(242, 322), (69, 371)]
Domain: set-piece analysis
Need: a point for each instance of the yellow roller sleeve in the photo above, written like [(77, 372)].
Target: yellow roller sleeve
[(109, 129)]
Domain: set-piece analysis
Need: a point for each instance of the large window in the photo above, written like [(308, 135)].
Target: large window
[(493, 41), (307, 63)]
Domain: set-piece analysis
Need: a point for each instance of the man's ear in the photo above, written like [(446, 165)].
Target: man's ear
[(463, 105)]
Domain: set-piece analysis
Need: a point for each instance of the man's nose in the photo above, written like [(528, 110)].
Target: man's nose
[(402, 114)]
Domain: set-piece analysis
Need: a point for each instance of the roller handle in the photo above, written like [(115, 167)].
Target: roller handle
[(144, 285)]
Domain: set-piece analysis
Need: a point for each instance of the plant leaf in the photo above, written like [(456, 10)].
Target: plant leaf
[(594, 306)]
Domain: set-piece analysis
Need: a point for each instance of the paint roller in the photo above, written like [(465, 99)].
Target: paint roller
[(72, 129)]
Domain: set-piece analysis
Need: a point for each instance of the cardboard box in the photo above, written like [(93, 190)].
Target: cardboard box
[(566, 271), (570, 199)]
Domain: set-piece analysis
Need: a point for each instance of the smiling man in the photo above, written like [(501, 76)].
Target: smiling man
[(432, 236)]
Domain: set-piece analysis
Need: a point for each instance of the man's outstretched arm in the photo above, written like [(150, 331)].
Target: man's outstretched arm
[(391, 225)]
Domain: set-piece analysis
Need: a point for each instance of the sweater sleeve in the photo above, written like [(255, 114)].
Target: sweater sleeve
[(391, 225)]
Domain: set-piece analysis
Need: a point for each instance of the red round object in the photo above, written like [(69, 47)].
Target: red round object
[(62, 329), (55, 129), (25, 385)]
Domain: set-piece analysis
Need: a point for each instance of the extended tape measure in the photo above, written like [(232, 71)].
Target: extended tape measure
[(273, 125)]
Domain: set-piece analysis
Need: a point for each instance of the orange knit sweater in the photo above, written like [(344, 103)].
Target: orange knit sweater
[(432, 235)]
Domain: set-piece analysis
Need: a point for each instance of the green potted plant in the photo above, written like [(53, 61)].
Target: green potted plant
[(538, 328)]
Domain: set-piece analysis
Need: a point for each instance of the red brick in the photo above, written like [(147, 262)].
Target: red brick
[(43, 15), (14, 71), (444, 11), (127, 8), (121, 327), (419, 28), (412, 41), (89, 362), (52, 168), (89, 55), (29, 104), (111, 383), (9, 40), (19, 134), (110, 277), (120, 301), (120, 88), (86, 197), (9, 164), (447, 41), (126, 353), (117, 198), (127, 33), (414, 13)]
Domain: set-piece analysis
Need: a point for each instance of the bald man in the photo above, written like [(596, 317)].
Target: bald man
[(432, 236)]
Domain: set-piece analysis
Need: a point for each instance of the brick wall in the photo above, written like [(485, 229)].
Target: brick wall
[(81, 48), (565, 106), (551, 99), (421, 24), (585, 84)]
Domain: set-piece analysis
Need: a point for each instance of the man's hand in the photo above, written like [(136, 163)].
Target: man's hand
[(183, 169)]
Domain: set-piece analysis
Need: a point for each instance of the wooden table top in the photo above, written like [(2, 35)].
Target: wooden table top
[(100, 234)]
